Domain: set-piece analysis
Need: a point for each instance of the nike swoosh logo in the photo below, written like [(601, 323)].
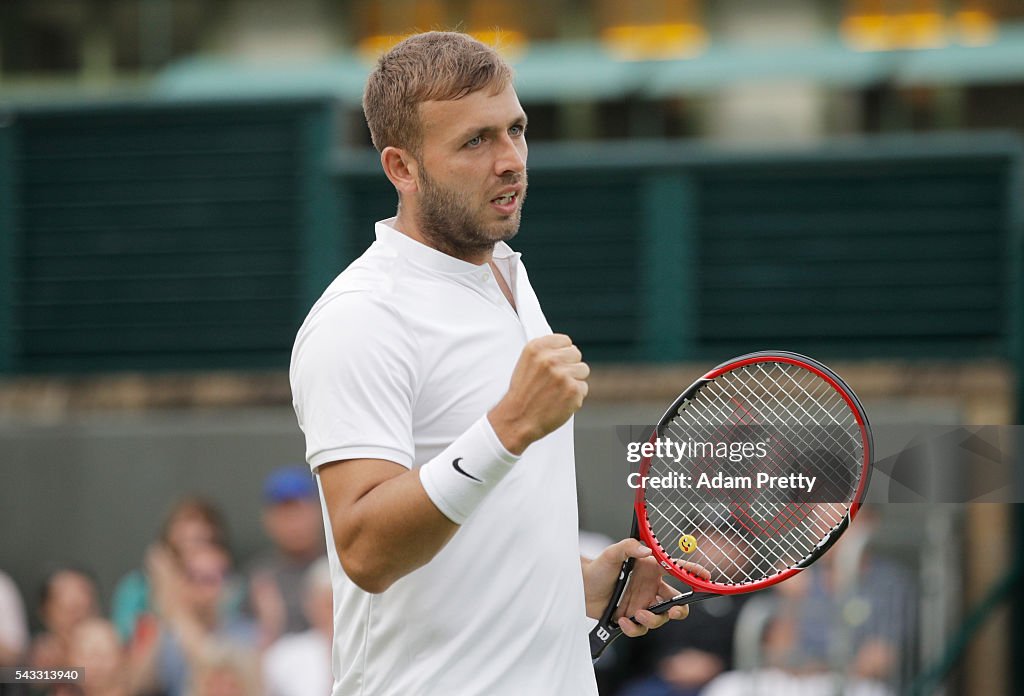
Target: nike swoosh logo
[(455, 463)]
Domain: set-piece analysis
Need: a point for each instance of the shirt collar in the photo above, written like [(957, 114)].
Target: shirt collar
[(430, 257)]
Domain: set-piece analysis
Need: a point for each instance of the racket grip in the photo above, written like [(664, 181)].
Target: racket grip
[(604, 633), (601, 637)]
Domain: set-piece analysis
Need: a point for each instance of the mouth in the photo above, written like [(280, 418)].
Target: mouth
[(507, 202)]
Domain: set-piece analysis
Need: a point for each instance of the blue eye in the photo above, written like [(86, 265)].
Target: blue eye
[(517, 130), (474, 142)]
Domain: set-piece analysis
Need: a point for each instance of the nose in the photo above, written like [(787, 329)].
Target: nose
[(511, 156)]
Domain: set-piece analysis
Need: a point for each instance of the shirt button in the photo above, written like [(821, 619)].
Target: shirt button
[(485, 277)]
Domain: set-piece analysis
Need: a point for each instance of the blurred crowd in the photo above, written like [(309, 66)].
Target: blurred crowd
[(843, 626), (189, 621)]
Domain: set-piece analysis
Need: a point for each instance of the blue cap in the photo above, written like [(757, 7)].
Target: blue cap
[(289, 483)]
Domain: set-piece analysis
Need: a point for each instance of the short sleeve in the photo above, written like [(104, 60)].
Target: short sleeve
[(352, 378)]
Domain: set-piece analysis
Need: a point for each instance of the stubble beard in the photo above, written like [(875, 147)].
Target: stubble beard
[(448, 222)]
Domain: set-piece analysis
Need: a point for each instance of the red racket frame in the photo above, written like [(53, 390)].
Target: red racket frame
[(665, 559)]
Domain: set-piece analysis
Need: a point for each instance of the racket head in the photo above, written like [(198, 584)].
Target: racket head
[(752, 541)]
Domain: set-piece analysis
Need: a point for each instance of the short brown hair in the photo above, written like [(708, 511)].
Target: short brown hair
[(434, 66)]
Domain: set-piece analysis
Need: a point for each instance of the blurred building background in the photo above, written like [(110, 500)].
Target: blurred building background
[(180, 179), (789, 71)]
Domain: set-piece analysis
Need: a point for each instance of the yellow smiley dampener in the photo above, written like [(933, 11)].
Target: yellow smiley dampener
[(687, 543)]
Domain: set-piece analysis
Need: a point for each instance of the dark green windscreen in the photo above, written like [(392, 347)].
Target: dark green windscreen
[(158, 238), (192, 236), (891, 258), (835, 256)]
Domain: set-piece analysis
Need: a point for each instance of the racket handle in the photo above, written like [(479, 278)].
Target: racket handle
[(605, 632), (600, 637)]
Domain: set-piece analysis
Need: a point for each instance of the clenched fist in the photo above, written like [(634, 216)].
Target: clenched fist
[(548, 385)]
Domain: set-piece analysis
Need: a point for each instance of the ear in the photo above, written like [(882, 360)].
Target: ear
[(401, 168)]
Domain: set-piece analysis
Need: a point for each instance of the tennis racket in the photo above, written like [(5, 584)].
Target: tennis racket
[(734, 494)]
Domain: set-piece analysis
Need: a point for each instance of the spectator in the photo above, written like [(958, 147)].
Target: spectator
[(835, 621), (876, 619), (686, 658), (96, 648), (293, 521), (818, 609), (192, 595), (68, 597), (227, 670), (299, 664), (191, 520), (680, 660)]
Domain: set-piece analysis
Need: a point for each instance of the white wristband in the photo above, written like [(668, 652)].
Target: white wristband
[(458, 479)]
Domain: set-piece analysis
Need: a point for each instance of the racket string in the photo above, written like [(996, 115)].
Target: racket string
[(814, 399), (823, 386), (714, 563), (705, 559), (699, 506), (744, 537)]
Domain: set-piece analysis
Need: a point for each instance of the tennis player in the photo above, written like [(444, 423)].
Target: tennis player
[(437, 408)]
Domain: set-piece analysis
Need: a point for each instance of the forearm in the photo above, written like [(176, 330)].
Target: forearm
[(593, 609), (192, 636), (390, 531), (388, 521), (593, 589), (142, 670)]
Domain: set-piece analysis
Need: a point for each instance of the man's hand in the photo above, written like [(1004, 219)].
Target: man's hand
[(646, 587), (167, 582), (548, 385), (268, 607)]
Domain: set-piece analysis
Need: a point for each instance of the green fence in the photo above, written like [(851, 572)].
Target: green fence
[(667, 252), (181, 236), (158, 237)]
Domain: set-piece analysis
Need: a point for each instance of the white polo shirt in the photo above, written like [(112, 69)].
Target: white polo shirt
[(404, 351)]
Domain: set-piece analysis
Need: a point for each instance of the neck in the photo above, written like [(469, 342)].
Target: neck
[(405, 223)]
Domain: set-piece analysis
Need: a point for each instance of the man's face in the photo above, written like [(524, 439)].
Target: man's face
[(296, 527), (206, 568), (472, 173), (72, 599), (95, 646)]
